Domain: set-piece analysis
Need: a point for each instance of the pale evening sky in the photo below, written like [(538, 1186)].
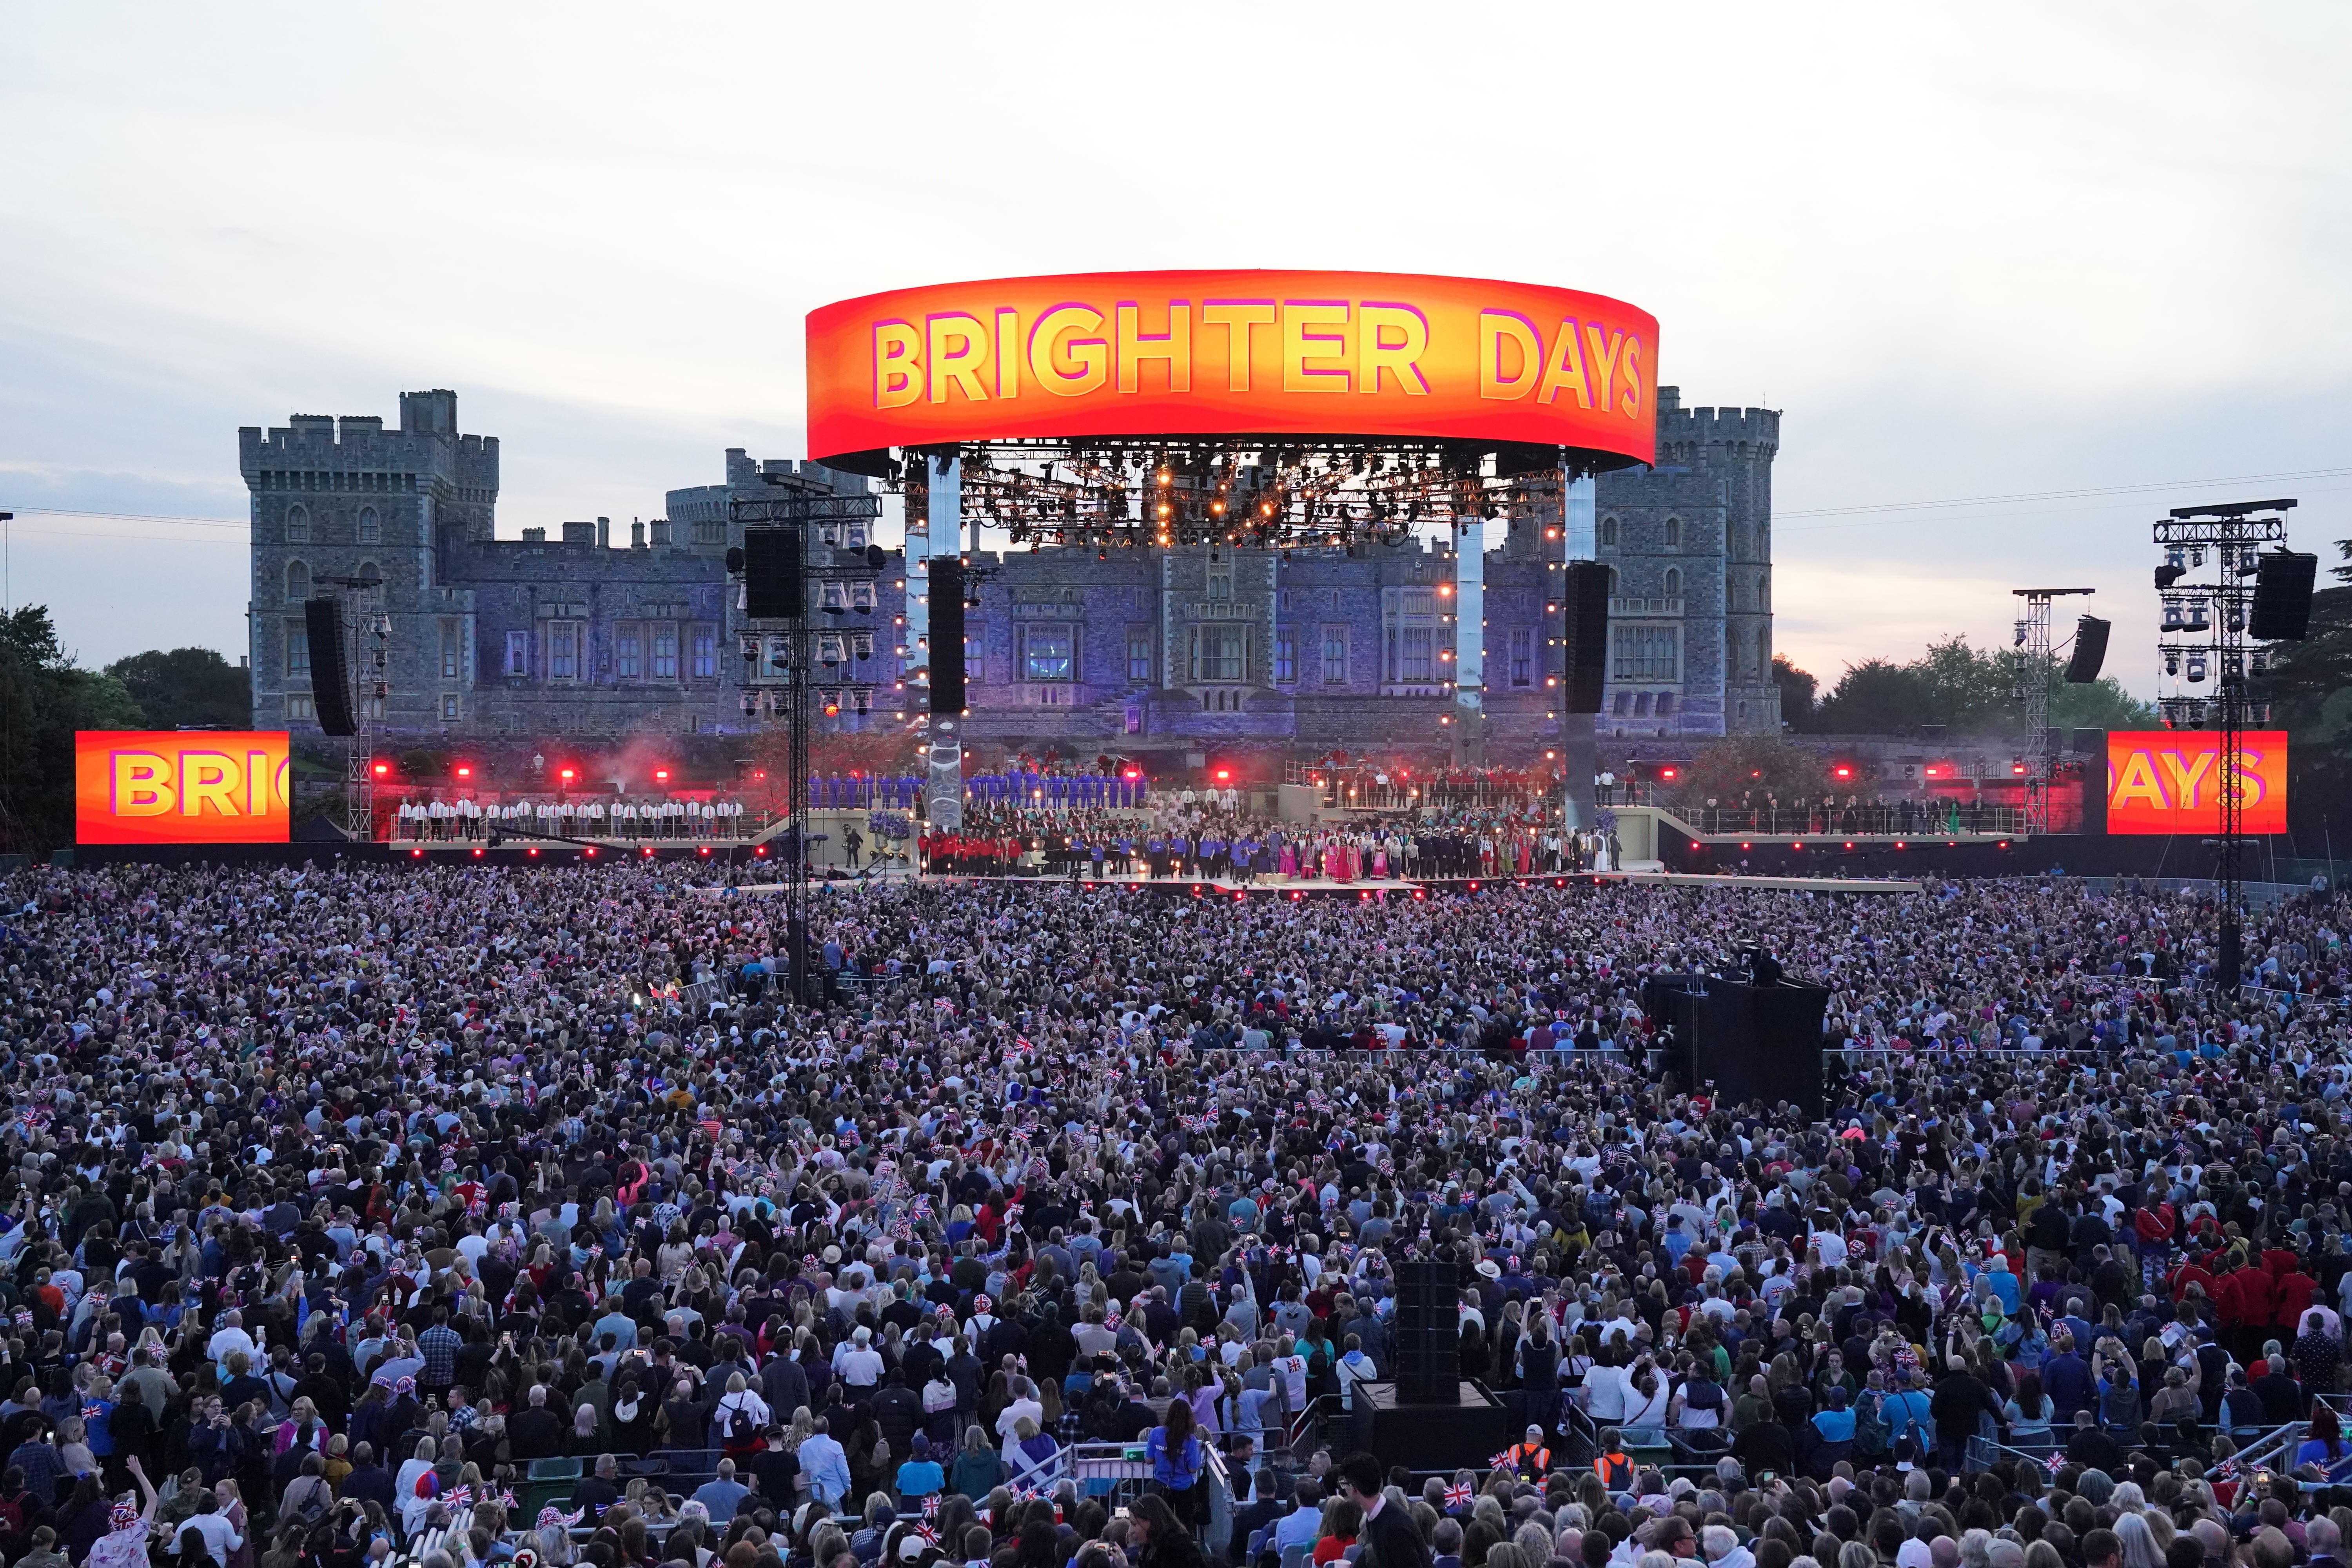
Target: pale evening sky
[(1994, 251)]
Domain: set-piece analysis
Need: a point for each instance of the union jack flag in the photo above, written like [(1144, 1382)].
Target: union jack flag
[(927, 1532), (931, 1505), (1458, 1495), (1501, 1461)]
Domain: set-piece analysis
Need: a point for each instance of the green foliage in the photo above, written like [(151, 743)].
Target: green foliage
[(1739, 766), (44, 698), (1796, 690), (1967, 690), (187, 686)]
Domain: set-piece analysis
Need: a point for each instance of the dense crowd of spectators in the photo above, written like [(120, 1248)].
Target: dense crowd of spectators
[(336, 1198)]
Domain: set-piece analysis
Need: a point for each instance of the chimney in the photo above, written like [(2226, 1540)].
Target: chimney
[(636, 533), (535, 536), (604, 534), (579, 534), (661, 531)]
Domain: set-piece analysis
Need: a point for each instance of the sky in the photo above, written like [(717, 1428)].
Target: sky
[(2019, 277)]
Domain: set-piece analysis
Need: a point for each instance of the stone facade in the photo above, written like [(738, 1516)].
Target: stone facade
[(1130, 651)]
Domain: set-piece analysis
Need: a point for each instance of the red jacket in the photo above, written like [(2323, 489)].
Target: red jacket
[(2246, 1296), (2291, 1296)]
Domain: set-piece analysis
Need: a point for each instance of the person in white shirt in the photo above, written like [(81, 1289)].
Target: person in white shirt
[(231, 1337), (1024, 1404)]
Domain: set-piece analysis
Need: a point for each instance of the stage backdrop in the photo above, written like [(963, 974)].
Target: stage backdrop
[(1148, 354), (2168, 781), (180, 787)]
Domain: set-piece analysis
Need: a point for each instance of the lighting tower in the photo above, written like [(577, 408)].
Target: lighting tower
[(2204, 634), (2033, 660)]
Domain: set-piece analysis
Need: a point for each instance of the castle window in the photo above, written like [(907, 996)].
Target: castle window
[(629, 651), (298, 650), (665, 653), (453, 654), (1674, 583), (1665, 703), (1608, 533), (1046, 653), (1645, 653), (298, 582), (1221, 577), (1523, 656), (1138, 654), (297, 525), (301, 705), (1285, 656), (370, 573), (1416, 661), (370, 531), (1764, 593), (1674, 533), (448, 706), (1335, 656), (562, 650), (1220, 651), (517, 653), (706, 653)]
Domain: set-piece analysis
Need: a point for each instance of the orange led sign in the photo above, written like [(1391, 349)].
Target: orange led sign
[(2169, 781), (1127, 355), (180, 787)]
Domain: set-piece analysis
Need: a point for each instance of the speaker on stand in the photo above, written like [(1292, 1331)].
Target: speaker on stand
[(331, 678)]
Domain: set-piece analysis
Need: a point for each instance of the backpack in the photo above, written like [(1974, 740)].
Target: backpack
[(740, 1427), (308, 1503), (1870, 1433)]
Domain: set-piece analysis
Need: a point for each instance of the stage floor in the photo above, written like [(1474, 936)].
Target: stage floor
[(1320, 887)]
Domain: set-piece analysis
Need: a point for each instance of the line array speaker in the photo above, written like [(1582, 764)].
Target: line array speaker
[(1586, 642), (330, 681), (2090, 651), (773, 585), (947, 635), (2283, 596), (1428, 1331)]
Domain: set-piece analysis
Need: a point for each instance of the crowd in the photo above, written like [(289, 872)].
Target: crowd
[(1208, 839), (331, 1199)]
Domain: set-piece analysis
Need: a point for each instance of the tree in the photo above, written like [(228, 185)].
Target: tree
[(44, 698), (187, 686), (1797, 689), (1758, 765), (1873, 697)]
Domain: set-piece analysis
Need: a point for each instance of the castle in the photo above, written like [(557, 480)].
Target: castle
[(1147, 651)]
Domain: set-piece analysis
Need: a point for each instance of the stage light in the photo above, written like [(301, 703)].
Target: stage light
[(1842, 771), (590, 852), (2017, 767), (1296, 896), (1695, 844), (1667, 774), (706, 850), (1849, 843), (1796, 846), (565, 773), (2002, 845), (532, 851), (463, 772), (760, 850), (478, 851), (649, 851), (661, 775), (1225, 774), (382, 769), (417, 854), (1898, 843)]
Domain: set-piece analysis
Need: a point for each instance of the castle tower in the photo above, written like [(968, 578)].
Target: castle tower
[(350, 500)]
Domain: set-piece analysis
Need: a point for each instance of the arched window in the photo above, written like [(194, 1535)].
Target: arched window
[(297, 525), (298, 582), (1731, 595), (370, 531), (1613, 581), (1608, 533), (369, 572), (1674, 533), (1674, 583), (1764, 594)]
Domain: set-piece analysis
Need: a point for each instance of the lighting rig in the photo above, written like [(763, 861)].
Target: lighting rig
[(1243, 490), (2205, 639), (787, 658)]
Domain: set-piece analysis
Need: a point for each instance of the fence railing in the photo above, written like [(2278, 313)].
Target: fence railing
[(1902, 819)]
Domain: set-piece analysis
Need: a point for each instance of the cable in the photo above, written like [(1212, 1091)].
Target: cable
[(129, 516), (2065, 495)]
